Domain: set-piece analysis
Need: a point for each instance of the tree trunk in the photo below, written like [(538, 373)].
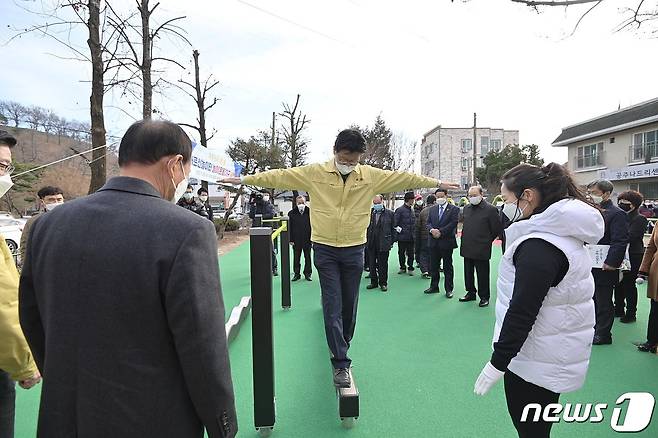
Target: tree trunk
[(200, 101), (98, 166), (147, 87), (229, 210)]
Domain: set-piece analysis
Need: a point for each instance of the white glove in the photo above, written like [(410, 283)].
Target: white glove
[(487, 379), (398, 229)]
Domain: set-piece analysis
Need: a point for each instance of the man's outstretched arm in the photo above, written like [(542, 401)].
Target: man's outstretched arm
[(293, 178), (392, 180)]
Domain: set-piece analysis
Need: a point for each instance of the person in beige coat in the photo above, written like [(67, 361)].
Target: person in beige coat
[(649, 269)]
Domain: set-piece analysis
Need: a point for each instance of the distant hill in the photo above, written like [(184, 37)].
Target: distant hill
[(38, 148)]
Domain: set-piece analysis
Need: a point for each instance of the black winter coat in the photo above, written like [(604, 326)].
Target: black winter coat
[(616, 235), (381, 235), (481, 227), (405, 218), (300, 226)]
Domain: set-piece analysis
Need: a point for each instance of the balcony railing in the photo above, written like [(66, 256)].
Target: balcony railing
[(643, 153)]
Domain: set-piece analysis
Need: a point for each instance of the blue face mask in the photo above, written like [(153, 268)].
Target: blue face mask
[(378, 207)]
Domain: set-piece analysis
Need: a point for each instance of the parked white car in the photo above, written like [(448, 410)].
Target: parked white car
[(11, 232)]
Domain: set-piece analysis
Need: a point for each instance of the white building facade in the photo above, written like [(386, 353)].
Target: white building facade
[(447, 153), (621, 146)]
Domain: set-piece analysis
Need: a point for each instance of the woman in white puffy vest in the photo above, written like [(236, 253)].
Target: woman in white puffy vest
[(544, 308)]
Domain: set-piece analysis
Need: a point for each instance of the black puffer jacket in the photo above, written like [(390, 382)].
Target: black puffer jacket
[(405, 218)]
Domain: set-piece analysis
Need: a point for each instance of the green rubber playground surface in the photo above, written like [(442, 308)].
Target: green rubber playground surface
[(415, 360)]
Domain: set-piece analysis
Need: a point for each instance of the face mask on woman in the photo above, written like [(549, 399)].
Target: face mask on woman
[(625, 207), (513, 212)]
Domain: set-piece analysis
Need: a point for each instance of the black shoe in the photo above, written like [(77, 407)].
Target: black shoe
[(467, 297), (619, 313), (295, 277), (483, 303), (308, 278), (410, 272), (601, 341), (368, 276), (383, 288), (275, 273), (342, 378), (402, 271), (371, 286), (367, 269), (426, 275), (449, 294), (626, 319), (647, 347), (431, 291)]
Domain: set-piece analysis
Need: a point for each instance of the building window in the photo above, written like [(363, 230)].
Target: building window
[(648, 189), (465, 182), (495, 145), (589, 156), (467, 144), (465, 163), (645, 146)]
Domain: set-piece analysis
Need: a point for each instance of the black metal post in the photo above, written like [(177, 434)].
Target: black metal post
[(262, 328), (285, 265)]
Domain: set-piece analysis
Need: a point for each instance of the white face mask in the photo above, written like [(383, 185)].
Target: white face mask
[(301, 207), (203, 198), (50, 207), (513, 212), (475, 200), (441, 201), (5, 184), (596, 199), (188, 196), (181, 187), (419, 203), (344, 169)]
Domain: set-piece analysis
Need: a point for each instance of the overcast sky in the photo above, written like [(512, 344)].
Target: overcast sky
[(418, 63)]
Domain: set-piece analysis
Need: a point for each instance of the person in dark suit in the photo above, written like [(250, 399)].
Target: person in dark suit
[(206, 208), (626, 289), (260, 204), (405, 225), (300, 238), (380, 235), (481, 227), (442, 226), (605, 278), (422, 237), (121, 304)]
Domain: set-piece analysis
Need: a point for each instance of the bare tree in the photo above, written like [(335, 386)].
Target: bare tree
[(136, 47), (15, 112), (295, 147), (35, 117)]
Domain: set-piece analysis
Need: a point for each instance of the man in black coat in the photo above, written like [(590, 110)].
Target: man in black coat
[(405, 225), (442, 226), (380, 234), (299, 221), (206, 208), (260, 204), (605, 278), (481, 227), (121, 304)]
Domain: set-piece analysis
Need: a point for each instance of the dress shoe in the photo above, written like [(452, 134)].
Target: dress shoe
[(598, 340), (295, 277), (371, 286), (275, 273), (410, 272), (308, 278), (431, 291), (467, 297), (367, 269), (483, 303), (402, 271), (342, 378), (626, 319), (647, 347), (449, 294), (426, 275), (383, 288)]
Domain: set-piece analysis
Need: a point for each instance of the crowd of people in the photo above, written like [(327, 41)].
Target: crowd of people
[(122, 314)]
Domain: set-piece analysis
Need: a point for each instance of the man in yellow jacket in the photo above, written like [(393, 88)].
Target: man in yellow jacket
[(341, 191), (16, 363)]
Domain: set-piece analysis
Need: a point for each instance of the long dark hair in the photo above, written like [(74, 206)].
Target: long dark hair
[(553, 182)]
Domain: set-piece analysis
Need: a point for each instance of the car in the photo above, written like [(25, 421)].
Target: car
[(12, 235)]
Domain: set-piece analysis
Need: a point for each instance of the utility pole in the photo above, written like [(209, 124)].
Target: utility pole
[(273, 142), (475, 161)]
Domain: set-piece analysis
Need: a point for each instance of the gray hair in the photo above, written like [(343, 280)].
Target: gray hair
[(479, 187), (602, 184)]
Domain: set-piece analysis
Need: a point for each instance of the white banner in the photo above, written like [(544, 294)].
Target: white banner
[(630, 172), (210, 165)]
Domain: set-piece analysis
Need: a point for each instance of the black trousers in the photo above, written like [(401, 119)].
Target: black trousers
[(339, 270), (520, 393), (297, 259), (482, 268), (652, 329), (438, 255), (406, 250), (605, 311), (7, 405), (378, 266), (423, 256), (626, 290)]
